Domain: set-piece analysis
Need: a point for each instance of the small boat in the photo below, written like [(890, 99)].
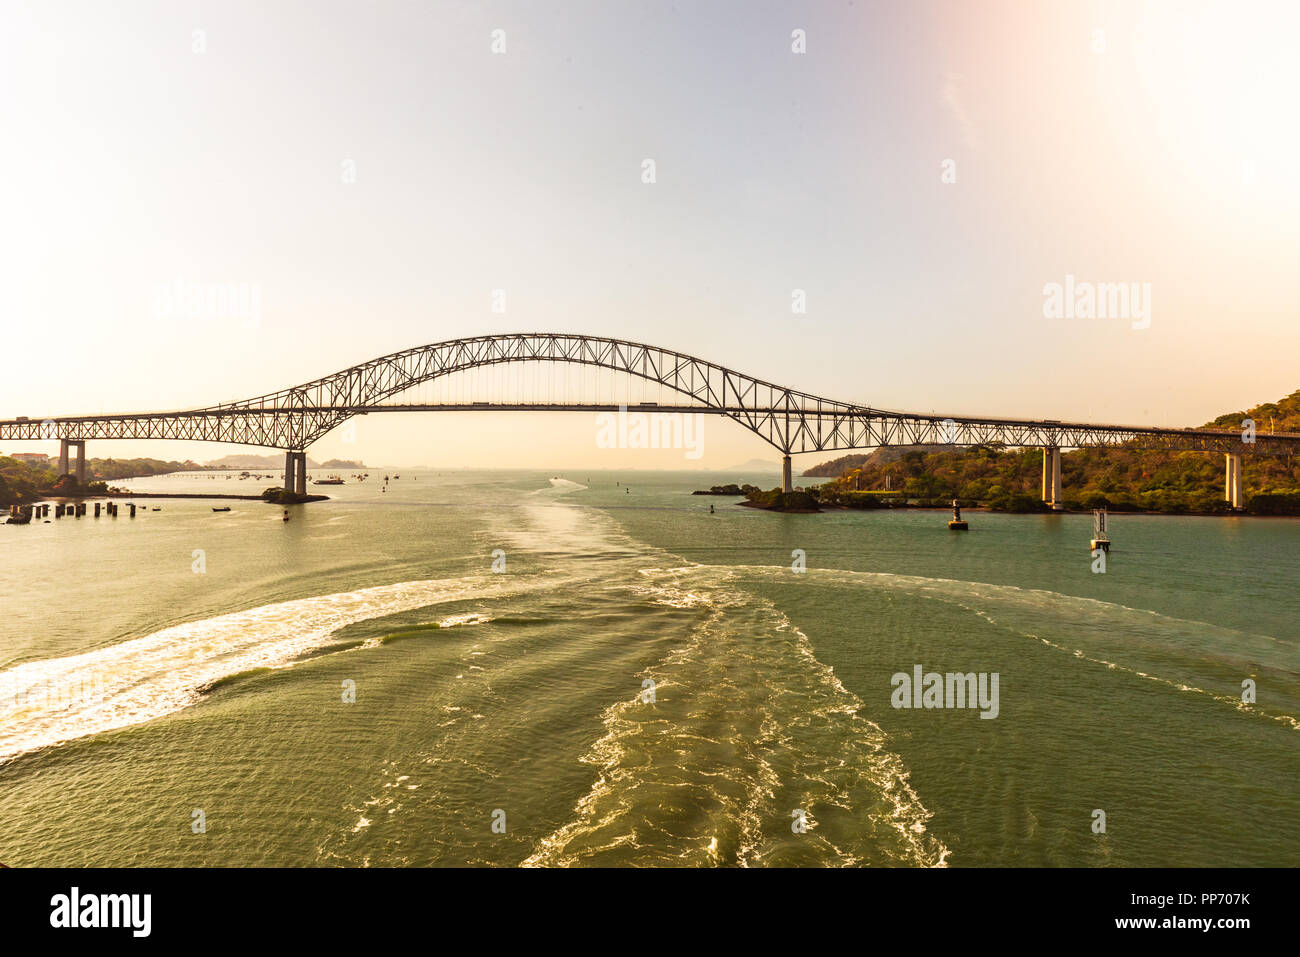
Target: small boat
[(223, 508), (332, 480), (156, 508)]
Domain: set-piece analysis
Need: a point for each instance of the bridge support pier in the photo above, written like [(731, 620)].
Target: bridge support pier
[(65, 445), (1052, 477), (295, 472), (300, 472), (787, 482), (1232, 483)]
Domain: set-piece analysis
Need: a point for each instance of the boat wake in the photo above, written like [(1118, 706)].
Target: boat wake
[(44, 703), (1189, 656), (747, 737)]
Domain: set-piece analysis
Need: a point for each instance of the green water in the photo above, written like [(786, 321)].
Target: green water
[(190, 660)]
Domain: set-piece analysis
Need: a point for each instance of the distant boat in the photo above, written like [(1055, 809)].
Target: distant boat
[(223, 508), (332, 480)]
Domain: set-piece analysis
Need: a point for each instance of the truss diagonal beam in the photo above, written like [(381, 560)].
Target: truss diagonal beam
[(790, 420)]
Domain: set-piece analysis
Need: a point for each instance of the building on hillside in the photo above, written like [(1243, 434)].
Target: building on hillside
[(31, 458)]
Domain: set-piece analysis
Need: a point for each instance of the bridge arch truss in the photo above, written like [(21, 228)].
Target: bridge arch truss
[(790, 420)]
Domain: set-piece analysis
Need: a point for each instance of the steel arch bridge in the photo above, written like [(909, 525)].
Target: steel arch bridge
[(791, 421)]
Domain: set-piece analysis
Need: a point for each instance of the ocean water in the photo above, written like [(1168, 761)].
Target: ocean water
[(593, 669)]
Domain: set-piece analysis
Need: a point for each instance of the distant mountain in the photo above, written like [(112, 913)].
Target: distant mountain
[(245, 461), (342, 464), (755, 465)]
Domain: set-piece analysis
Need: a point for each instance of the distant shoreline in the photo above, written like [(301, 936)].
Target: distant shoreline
[(996, 511), (114, 495), (835, 507), (124, 495)]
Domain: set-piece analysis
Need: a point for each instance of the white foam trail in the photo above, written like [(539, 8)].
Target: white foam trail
[(559, 486), (1089, 611), (470, 618), (566, 485), (765, 732), (43, 703), (551, 524)]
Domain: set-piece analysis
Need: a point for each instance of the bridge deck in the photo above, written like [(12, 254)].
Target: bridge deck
[(790, 420)]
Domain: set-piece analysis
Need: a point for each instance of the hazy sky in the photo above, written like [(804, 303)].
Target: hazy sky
[(374, 171)]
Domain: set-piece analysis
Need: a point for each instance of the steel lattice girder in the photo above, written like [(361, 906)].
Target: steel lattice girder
[(791, 421)]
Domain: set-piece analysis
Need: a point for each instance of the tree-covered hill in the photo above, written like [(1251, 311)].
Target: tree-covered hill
[(22, 480), (1117, 478)]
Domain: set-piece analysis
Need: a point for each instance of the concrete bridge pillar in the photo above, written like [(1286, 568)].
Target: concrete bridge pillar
[(787, 482), (300, 473), (289, 462), (63, 456), (1052, 476), (1232, 484), (81, 461)]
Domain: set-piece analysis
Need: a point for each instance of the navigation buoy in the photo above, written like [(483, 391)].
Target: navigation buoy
[(957, 525), (1100, 537)]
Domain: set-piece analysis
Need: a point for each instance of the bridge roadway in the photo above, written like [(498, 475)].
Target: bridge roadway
[(793, 422)]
